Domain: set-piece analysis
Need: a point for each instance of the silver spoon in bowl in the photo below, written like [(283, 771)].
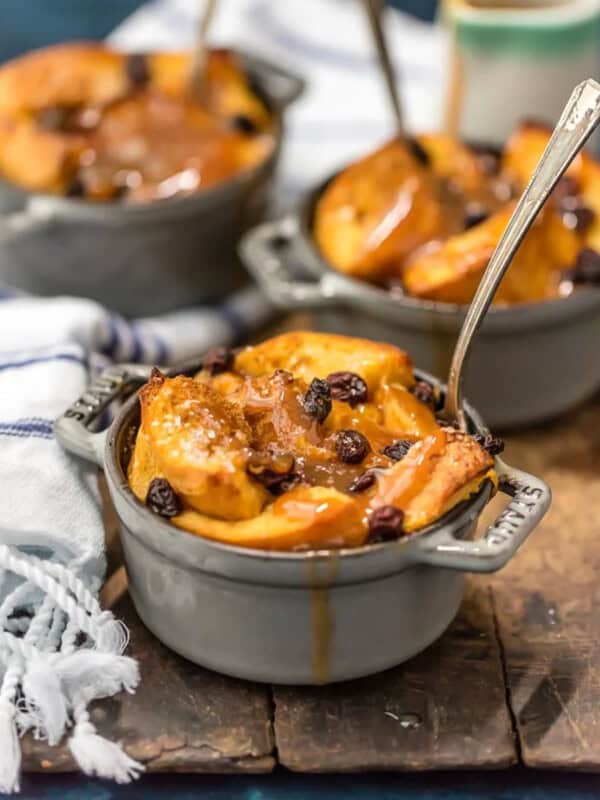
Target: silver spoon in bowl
[(200, 51), (578, 120), (374, 9)]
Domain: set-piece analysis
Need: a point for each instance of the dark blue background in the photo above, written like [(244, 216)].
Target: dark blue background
[(518, 784), (25, 24)]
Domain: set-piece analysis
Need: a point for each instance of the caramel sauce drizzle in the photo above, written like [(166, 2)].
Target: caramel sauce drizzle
[(273, 405)]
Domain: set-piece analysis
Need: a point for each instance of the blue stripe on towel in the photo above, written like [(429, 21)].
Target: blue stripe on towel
[(235, 320), (162, 351), (28, 427), (113, 342), (42, 359), (138, 346)]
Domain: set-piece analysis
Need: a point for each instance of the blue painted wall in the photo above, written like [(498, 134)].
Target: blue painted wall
[(25, 24)]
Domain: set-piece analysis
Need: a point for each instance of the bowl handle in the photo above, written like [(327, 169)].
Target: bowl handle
[(72, 429), (279, 260), (530, 499)]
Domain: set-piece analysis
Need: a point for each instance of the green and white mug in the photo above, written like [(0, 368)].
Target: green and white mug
[(513, 60)]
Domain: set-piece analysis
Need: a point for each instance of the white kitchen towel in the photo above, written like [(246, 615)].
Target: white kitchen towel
[(58, 649)]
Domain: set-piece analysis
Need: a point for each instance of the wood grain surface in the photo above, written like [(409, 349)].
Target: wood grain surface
[(444, 709), (547, 601), (182, 718)]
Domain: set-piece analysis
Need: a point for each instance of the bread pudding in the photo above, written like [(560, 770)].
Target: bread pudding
[(85, 121), (305, 441), (422, 216)]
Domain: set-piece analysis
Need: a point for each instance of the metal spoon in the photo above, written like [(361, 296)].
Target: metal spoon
[(200, 52), (374, 9), (578, 119)]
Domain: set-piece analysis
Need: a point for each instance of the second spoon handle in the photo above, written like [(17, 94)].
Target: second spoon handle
[(579, 118), (375, 9), (200, 51)]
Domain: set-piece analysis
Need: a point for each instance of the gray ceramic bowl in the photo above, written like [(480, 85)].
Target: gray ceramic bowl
[(312, 617), (530, 362), (148, 258)]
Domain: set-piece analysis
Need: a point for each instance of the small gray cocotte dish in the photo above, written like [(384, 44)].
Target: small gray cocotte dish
[(294, 617)]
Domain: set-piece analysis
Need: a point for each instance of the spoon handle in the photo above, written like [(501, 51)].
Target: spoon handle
[(200, 51), (579, 118), (374, 9)]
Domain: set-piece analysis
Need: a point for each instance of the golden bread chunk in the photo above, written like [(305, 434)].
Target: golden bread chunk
[(453, 161), (308, 517), (265, 456), (61, 75), (84, 120), (377, 211), (309, 355), (433, 477), (199, 442), (589, 185), (452, 272), (523, 151)]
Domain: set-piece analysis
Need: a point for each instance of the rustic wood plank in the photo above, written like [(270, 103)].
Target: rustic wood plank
[(456, 688), (547, 600), (182, 718)]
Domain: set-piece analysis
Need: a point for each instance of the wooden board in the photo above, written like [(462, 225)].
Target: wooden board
[(443, 709), (182, 718), (547, 601)]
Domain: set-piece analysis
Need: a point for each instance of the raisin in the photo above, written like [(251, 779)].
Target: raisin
[(243, 124), (54, 118), (488, 156), (348, 387), (489, 163), (137, 69), (351, 446), (418, 151), (363, 482), (493, 444), (575, 215), (275, 471), (75, 188), (425, 393), (587, 267), (566, 187), (162, 499), (317, 400), (385, 524), (218, 359), (474, 214), (397, 450)]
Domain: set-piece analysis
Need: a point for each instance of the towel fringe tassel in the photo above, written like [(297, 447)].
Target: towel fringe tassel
[(49, 679)]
